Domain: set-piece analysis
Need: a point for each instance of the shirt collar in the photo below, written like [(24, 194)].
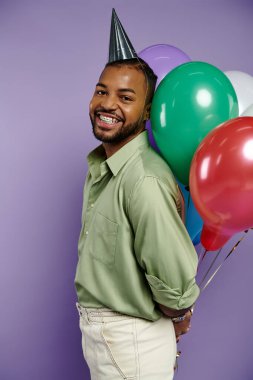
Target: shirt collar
[(119, 159), (97, 162), (99, 165)]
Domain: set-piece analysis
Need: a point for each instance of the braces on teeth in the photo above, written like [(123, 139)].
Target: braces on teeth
[(108, 120)]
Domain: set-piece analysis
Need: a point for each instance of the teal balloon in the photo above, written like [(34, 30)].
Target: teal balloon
[(197, 239), (193, 221), (190, 101)]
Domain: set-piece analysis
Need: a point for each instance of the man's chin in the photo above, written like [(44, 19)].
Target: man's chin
[(114, 137), (104, 136)]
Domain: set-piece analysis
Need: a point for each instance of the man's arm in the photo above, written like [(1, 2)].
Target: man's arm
[(163, 247)]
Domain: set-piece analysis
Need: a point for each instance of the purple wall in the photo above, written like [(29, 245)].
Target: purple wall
[(51, 53)]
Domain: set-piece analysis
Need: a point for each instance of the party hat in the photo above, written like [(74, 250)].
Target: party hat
[(120, 47)]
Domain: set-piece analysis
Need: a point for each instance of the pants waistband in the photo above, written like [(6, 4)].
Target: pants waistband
[(100, 314)]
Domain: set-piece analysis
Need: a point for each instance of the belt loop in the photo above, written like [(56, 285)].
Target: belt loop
[(79, 309), (87, 316), (83, 313)]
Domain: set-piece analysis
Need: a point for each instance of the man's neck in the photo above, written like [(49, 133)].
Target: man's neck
[(111, 148)]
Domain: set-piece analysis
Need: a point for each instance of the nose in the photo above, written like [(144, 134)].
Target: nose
[(109, 102)]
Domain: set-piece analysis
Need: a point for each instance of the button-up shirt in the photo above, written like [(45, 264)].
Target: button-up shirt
[(134, 250)]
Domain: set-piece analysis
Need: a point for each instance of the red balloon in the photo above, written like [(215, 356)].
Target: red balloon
[(221, 181)]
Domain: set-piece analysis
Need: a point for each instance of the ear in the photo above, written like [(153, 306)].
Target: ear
[(147, 112)]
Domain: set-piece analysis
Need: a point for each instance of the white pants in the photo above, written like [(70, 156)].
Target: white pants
[(117, 346)]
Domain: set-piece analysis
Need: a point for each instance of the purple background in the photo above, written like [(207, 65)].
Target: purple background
[(51, 52)]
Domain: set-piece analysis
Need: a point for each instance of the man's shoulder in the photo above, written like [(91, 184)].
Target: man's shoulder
[(154, 164), (148, 164)]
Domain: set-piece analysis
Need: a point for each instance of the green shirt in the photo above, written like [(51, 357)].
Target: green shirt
[(134, 250)]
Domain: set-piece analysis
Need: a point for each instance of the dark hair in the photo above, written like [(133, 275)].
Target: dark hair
[(140, 65)]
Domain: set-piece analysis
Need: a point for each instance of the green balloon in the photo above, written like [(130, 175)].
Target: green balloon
[(189, 102)]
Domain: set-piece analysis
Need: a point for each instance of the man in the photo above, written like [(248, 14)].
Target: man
[(137, 266)]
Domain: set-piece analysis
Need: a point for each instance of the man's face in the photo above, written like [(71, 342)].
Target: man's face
[(117, 108)]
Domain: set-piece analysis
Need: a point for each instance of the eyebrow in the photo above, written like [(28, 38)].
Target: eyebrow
[(120, 90), (127, 90), (101, 85)]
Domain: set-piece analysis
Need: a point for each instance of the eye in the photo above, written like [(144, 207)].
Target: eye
[(100, 92), (126, 98)]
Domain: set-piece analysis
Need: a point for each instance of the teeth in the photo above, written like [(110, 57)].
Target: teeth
[(108, 120)]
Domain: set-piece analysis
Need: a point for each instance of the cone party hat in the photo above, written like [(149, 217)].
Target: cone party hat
[(120, 47)]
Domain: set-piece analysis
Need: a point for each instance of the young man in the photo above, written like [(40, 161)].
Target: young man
[(137, 265)]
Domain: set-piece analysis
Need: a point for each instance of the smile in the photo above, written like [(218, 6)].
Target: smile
[(108, 120)]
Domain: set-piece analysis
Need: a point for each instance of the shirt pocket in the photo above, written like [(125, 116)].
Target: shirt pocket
[(104, 239)]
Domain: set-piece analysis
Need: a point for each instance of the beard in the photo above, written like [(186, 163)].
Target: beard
[(119, 135)]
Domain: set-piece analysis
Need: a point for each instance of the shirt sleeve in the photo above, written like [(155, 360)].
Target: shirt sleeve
[(162, 245)]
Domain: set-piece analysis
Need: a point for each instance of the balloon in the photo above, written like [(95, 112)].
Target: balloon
[(248, 111), (189, 102), (193, 221), (243, 85), (163, 58), (151, 137), (196, 240), (221, 181)]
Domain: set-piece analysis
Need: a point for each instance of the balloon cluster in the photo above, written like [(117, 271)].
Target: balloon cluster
[(196, 128)]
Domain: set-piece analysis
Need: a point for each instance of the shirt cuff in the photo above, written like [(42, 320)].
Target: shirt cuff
[(173, 298)]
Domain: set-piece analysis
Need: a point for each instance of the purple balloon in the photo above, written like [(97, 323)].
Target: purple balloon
[(163, 58), (151, 137)]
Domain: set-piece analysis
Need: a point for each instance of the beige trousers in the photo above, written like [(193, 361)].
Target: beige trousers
[(117, 346)]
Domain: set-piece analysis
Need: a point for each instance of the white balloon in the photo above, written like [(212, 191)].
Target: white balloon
[(243, 85), (248, 111)]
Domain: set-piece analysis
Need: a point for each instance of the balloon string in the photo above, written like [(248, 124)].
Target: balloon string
[(219, 267), (189, 201), (210, 267), (202, 256)]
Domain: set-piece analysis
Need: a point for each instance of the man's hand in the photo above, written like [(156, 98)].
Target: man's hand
[(184, 326), (180, 327)]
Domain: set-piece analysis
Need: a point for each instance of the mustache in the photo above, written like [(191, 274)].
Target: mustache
[(109, 111)]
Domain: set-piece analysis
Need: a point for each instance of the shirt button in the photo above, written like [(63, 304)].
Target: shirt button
[(86, 233), (92, 205)]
